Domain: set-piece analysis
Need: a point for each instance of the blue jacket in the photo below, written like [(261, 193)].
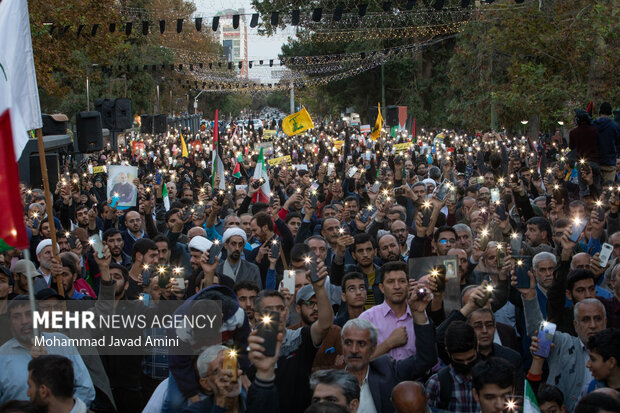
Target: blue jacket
[(608, 140)]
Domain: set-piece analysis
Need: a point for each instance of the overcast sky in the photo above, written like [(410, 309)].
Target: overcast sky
[(259, 47)]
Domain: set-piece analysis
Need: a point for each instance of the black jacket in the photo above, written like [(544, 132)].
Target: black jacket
[(385, 373)]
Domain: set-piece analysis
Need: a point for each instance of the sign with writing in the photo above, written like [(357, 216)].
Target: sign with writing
[(98, 169), (365, 128), (269, 134), (338, 144), (267, 148), (400, 147), (279, 160)]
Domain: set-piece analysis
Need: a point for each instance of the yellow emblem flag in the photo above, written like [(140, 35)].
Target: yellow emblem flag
[(297, 122), (184, 152), (376, 130)]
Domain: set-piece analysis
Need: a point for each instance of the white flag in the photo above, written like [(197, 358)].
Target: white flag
[(18, 79)]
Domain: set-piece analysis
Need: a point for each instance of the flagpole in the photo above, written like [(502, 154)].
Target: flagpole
[(48, 205), (29, 277)]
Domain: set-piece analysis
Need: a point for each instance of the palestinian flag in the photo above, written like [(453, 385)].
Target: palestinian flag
[(237, 171), (260, 172)]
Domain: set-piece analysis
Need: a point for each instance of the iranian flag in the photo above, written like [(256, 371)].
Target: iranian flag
[(530, 404), (260, 172), (19, 113), (164, 195)]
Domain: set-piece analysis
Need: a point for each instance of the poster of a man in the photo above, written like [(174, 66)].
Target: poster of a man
[(120, 185)]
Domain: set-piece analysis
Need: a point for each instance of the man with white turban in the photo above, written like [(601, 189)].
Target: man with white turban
[(233, 266)]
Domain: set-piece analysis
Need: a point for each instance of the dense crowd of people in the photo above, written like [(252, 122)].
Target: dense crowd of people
[(328, 246)]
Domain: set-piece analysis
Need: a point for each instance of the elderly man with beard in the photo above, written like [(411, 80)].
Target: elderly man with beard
[(217, 382), (568, 358), (44, 256), (233, 266)]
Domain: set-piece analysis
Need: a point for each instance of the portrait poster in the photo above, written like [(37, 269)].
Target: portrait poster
[(121, 189), (446, 267)]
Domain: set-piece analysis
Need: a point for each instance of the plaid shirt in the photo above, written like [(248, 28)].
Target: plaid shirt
[(461, 397), (155, 363)]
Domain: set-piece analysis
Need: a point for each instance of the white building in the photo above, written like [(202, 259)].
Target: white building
[(234, 41)]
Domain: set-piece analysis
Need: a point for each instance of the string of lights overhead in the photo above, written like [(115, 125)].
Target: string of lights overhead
[(299, 80), (145, 21)]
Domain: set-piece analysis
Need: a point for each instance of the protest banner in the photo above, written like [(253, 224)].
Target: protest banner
[(279, 160)]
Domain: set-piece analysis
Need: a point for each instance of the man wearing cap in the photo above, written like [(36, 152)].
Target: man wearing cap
[(20, 275), (233, 266), (197, 247), (331, 347)]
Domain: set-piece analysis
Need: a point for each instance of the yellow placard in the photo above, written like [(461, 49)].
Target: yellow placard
[(338, 144), (399, 147), (98, 169), (279, 160), (269, 134)]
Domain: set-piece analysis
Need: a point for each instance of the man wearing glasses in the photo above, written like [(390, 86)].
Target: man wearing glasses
[(443, 240), (483, 322), (399, 230)]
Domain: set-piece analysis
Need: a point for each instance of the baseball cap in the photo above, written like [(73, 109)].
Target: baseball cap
[(304, 294), (22, 267)]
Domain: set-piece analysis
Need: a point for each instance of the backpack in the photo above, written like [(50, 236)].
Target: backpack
[(445, 387)]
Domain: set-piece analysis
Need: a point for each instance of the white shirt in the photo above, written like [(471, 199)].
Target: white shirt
[(367, 404)]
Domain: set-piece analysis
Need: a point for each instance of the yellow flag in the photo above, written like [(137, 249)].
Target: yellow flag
[(297, 122), (184, 152), (376, 130)]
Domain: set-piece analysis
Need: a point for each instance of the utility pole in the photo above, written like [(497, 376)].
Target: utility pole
[(87, 88), (158, 106), (292, 97)]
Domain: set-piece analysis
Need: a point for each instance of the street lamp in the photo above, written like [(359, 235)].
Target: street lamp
[(524, 122), (196, 102), (560, 123)]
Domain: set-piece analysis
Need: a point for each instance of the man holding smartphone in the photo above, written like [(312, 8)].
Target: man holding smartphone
[(299, 347), (568, 357)]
